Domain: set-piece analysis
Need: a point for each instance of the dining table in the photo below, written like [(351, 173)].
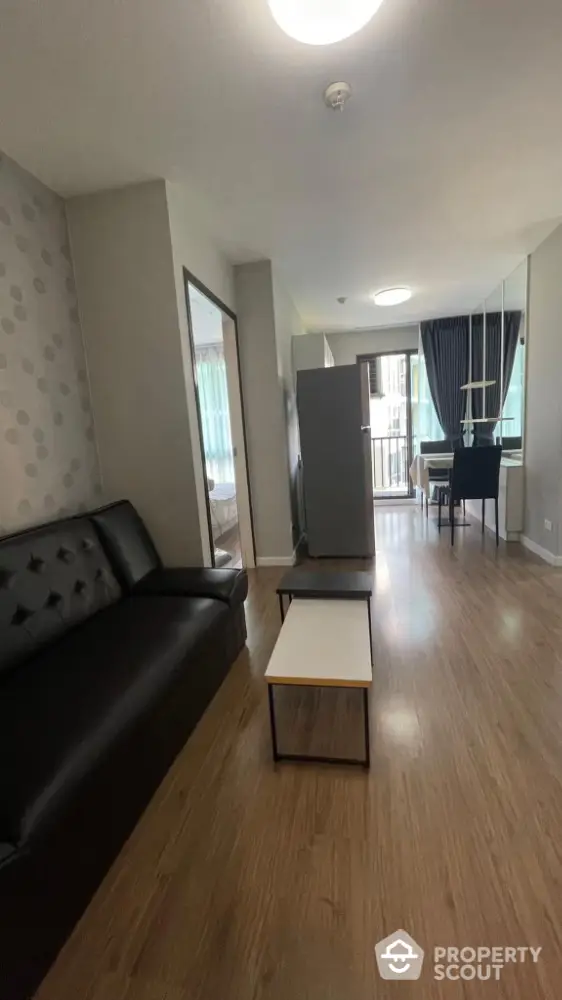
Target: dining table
[(420, 469)]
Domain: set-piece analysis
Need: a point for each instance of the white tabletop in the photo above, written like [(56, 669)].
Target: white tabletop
[(421, 466), (323, 643)]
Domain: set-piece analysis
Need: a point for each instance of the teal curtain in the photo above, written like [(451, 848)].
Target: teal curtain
[(215, 413)]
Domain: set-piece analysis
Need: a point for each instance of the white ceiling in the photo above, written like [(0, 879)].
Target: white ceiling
[(444, 170)]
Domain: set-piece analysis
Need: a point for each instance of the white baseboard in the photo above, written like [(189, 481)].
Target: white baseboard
[(538, 550), (265, 561), (394, 502), (280, 560)]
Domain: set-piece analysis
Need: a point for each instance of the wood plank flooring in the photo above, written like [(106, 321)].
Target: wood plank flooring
[(245, 881)]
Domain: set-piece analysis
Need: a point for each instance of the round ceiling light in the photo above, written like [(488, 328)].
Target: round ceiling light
[(322, 22), (392, 296)]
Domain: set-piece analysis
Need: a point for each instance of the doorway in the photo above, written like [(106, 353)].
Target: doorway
[(220, 415), (390, 407)]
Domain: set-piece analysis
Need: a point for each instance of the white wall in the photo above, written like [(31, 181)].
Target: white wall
[(193, 248), (206, 319), (128, 300), (346, 346), (263, 391), (310, 351), (543, 425)]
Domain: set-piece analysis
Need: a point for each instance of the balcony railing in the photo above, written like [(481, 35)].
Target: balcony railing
[(390, 465)]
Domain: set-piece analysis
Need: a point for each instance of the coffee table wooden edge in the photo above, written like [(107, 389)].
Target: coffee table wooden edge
[(318, 682)]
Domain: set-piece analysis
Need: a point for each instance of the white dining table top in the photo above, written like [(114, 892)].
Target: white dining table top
[(422, 464), (435, 459)]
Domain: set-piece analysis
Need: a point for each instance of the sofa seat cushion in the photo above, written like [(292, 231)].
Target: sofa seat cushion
[(67, 707), (228, 585)]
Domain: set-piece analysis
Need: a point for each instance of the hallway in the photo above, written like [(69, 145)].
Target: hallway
[(249, 883)]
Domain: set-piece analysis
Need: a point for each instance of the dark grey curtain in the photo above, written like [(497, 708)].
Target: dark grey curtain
[(484, 434), (445, 348)]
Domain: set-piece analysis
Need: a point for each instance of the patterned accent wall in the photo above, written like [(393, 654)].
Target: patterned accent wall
[(48, 459)]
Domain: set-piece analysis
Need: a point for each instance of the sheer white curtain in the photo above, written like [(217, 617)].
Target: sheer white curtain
[(215, 414), (426, 426)]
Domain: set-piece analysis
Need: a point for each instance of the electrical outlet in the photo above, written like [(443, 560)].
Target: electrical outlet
[(547, 524)]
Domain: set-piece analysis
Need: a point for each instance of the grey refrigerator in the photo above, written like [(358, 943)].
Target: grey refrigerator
[(336, 460)]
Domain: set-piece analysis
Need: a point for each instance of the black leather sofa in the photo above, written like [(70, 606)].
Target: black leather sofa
[(107, 662)]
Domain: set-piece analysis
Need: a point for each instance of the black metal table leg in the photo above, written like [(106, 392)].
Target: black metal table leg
[(314, 758), (272, 721), (281, 607), (367, 729), (370, 629)]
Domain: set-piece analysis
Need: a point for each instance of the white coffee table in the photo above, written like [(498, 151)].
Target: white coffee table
[(322, 643)]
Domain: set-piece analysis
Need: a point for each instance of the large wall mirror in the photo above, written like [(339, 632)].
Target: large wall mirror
[(494, 407), (497, 365)]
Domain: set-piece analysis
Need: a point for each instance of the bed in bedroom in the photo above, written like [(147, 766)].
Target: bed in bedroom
[(224, 510)]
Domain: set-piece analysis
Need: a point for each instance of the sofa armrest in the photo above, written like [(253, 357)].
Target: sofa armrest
[(228, 585)]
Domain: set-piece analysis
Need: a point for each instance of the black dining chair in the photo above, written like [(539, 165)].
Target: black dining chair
[(439, 477), (475, 476)]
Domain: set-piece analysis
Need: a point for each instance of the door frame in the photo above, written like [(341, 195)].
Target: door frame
[(191, 279), (408, 353)]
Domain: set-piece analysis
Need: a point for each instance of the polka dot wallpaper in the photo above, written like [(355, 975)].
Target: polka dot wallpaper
[(48, 460)]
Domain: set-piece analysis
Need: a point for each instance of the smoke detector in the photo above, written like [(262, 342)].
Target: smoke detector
[(337, 95)]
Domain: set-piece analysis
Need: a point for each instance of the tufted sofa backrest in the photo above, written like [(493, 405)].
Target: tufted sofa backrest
[(51, 578)]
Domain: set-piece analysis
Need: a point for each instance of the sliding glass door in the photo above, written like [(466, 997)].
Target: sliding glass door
[(390, 390), (425, 422)]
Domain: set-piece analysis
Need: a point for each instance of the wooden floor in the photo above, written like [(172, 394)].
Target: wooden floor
[(248, 882), (230, 542)]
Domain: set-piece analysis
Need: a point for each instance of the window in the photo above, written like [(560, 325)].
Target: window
[(390, 422), (373, 377), (513, 406), (425, 419)]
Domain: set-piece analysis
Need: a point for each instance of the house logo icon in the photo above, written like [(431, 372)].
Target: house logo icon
[(399, 957)]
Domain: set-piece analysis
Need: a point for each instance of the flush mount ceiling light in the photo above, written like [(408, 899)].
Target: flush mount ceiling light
[(392, 296), (322, 22)]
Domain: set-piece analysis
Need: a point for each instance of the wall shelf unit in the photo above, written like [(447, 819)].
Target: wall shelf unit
[(486, 420)]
